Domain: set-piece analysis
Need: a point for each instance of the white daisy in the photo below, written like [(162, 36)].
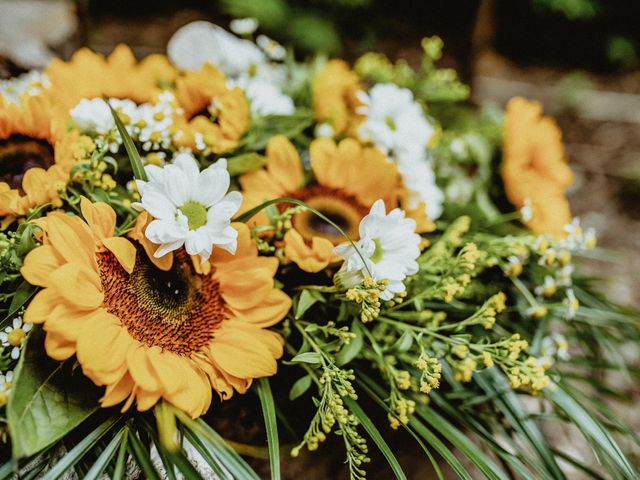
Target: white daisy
[(420, 180), (394, 121), (189, 207), (14, 336), (389, 247), (30, 83), (265, 97)]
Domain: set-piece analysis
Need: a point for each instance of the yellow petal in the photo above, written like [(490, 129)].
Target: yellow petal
[(270, 311), (284, 164), (39, 264), (78, 285), (42, 305), (124, 251), (310, 259), (58, 347), (100, 217), (117, 392)]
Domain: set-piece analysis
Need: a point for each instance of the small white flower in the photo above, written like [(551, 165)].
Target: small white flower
[(93, 116), (14, 336), (526, 212), (458, 148), (27, 84), (571, 303), (189, 207), (5, 380), (389, 247), (324, 130), (554, 346), (548, 288), (265, 98), (420, 180), (243, 26), (273, 49)]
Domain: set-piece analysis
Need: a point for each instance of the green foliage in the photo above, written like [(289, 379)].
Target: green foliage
[(48, 400), (572, 9), (429, 83)]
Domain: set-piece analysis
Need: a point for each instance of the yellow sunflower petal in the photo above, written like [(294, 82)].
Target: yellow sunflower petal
[(78, 285), (41, 306), (270, 311), (124, 251), (257, 348), (58, 347), (100, 217), (284, 164), (310, 259), (39, 264), (117, 392)]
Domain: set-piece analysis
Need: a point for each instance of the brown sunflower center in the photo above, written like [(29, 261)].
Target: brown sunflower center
[(177, 310), (342, 209), (18, 154)]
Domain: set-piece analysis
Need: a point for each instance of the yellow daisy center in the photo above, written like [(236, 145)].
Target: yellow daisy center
[(196, 214), (177, 310), (16, 337), (4, 398), (18, 154), (377, 253)]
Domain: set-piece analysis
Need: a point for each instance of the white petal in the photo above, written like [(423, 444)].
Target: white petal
[(211, 185), (168, 247)]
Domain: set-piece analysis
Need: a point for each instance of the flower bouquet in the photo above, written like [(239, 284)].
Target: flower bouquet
[(354, 247)]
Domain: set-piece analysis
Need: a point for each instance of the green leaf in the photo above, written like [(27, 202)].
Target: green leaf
[(373, 432), (492, 381), (245, 163), (132, 151), (142, 456), (22, 295), (48, 399), (404, 342), (592, 429), (77, 452), (217, 447), (352, 349), (271, 426), (105, 457), (307, 357), (299, 387), (305, 301), (265, 128)]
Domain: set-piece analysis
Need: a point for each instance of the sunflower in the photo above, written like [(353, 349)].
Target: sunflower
[(216, 116), (534, 167), (349, 178), (149, 334), (90, 75), (36, 155), (335, 98)]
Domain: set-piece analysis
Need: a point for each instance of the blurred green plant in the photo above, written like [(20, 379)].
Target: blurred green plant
[(572, 9), (622, 51)]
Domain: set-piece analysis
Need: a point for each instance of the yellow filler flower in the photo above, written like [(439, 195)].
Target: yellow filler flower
[(149, 334)]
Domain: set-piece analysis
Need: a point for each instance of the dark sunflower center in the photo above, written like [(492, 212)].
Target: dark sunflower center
[(341, 208), (177, 310), (18, 154)]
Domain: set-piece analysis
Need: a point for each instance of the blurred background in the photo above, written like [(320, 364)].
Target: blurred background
[(580, 58)]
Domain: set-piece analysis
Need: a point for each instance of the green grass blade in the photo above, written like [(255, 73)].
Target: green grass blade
[(459, 440), (142, 457), (105, 457), (79, 451), (121, 459), (237, 467), (208, 455), (6, 470), (493, 382), (592, 429), (132, 151), (271, 425), (373, 432)]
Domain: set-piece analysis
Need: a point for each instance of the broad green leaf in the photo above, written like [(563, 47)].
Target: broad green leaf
[(267, 127), (307, 357), (306, 300), (132, 151), (22, 295), (271, 425), (299, 387), (245, 163), (48, 399), (404, 342), (373, 432)]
